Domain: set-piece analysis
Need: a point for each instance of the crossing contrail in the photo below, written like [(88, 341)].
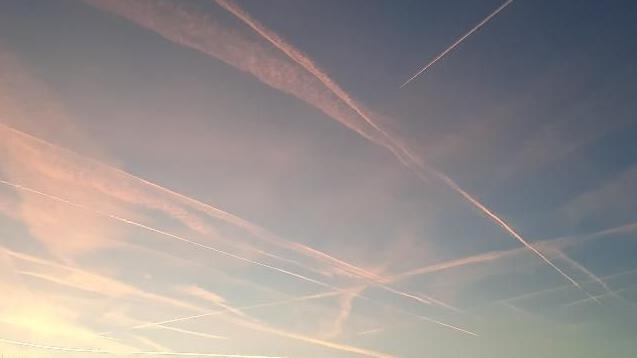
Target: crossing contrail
[(394, 145), (458, 41), (253, 229), (166, 234), (192, 30), (194, 243)]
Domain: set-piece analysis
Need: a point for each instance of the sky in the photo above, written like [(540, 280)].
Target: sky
[(285, 178)]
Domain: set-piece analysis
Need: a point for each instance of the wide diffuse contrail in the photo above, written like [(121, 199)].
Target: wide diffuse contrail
[(458, 42)]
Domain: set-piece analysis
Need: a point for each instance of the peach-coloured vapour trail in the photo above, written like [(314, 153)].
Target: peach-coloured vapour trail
[(165, 234), (458, 41), (194, 243), (588, 272), (180, 238), (151, 18), (309, 65), (504, 225), (251, 228), (261, 327)]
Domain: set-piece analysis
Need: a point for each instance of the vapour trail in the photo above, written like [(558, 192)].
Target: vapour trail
[(194, 243), (614, 293), (243, 308), (99, 351), (51, 348), (192, 333), (307, 63), (458, 41), (550, 244), (504, 226), (590, 274), (297, 299), (165, 234), (263, 328), (558, 288), (251, 228), (304, 61), (311, 340)]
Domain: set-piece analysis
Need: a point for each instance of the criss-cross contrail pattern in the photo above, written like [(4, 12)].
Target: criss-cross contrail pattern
[(458, 42), (394, 145)]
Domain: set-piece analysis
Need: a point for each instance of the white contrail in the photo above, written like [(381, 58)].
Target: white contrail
[(51, 348), (249, 227), (588, 272), (166, 234), (458, 42)]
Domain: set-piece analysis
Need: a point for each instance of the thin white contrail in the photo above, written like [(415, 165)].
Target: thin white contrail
[(458, 41), (165, 234), (614, 293), (51, 348), (243, 308), (180, 238), (504, 226), (249, 227), (558, 288), (588, 272)]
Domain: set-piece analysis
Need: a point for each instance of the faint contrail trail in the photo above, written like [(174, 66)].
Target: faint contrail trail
[(504, 226), (614, 293), (253, 229), (307, 63), (588, 273), (194, 243), (165, 234), (558, 288), (243, 308), (458, 41), (51, 348), (249, 227)]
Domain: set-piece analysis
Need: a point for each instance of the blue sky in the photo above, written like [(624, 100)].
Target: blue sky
[(257, 162)]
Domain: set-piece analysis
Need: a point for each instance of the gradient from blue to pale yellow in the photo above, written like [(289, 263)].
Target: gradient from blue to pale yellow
[(162, 159)]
